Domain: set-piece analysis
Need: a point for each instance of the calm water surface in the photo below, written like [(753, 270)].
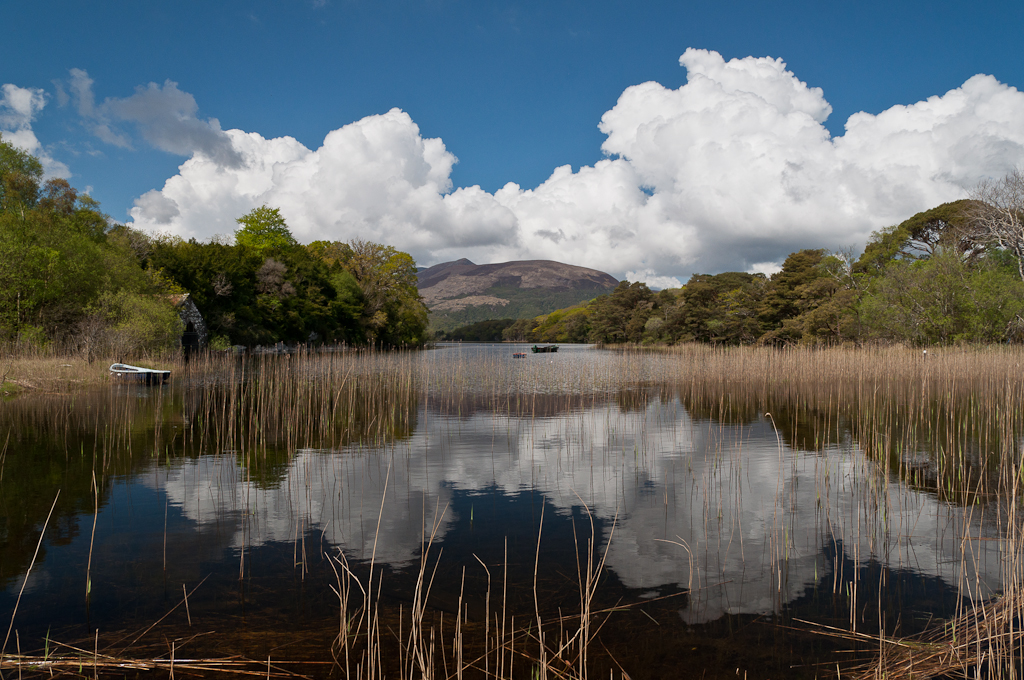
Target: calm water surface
[(721, 535)]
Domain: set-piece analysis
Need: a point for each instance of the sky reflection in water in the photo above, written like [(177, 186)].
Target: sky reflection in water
[(727, 510)]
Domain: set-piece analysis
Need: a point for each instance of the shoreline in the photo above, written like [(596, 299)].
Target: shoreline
[(50, 375)]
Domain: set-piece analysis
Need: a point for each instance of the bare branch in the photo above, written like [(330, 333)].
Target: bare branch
[(997, 214)]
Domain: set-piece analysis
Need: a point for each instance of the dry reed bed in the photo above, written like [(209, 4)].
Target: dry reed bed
[(49, 374), (983, 641)]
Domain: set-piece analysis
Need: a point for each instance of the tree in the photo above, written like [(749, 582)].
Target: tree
[(997, 214), (621, 315), (249, 297), (783, 295), (884, 246), (739, 325), (519, 331), (944, 300), (66, 275), (20, 174), (944, 227), (691, 319), (718, 308), (813, 299), (571, 324), (394, 313), (264, 228), (133, 323)]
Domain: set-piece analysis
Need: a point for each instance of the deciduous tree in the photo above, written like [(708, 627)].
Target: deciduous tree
[(263, 228), (394, 313), (997, 214), (20, 174)]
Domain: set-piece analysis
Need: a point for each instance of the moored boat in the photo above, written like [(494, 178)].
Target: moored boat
[(544, 348), (149, 376)]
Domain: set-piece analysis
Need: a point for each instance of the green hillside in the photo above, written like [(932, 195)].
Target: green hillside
[(522, 303), (461, 293)]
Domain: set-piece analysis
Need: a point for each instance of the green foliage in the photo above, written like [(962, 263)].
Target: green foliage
[(520, 331), (252, 298), (325, 292), (622, 315), (897, 291), (67, 275), (482, 331), (944, 300), (394, 314), (331, 252), (263, 228), (719, 309), (928, 280), (63, 276), (570, 325), (20, 174), (818, 293), (884, 247), (788, 291), (219, 343), (944, 227), (135, 323), (348, 301)]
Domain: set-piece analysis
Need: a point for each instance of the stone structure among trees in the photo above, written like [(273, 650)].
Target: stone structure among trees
[(194, 336)]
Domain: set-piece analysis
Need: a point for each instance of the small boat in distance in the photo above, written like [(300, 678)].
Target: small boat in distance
[(149, 376), (518, 355), (544, 348)]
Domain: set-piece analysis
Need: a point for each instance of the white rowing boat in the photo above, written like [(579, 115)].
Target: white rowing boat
[(150, 376)]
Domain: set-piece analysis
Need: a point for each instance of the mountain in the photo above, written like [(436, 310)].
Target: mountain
[(459, 293)]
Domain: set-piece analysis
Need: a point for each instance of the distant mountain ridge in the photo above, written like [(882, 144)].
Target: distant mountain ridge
[(461, 292)]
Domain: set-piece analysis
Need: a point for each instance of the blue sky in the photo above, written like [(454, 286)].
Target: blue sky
[(513, 90)]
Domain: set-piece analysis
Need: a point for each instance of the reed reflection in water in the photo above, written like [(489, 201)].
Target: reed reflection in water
[(725, 510)]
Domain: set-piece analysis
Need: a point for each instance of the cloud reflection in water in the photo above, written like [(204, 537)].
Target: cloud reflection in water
[(724, 509)]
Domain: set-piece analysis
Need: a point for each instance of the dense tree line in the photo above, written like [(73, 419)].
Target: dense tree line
[(267, 288), (940, 277), (70, 276), (66, 275), (482, 331)]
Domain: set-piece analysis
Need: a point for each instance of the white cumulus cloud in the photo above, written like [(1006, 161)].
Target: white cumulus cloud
[(376, 179), (653, 280), (18, 108), (731, 171)]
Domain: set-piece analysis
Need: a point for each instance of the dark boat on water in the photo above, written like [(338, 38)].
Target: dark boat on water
[(149, 376), (545, 348)]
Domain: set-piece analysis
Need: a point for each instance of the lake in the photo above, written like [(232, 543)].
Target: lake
[(458, 511)]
